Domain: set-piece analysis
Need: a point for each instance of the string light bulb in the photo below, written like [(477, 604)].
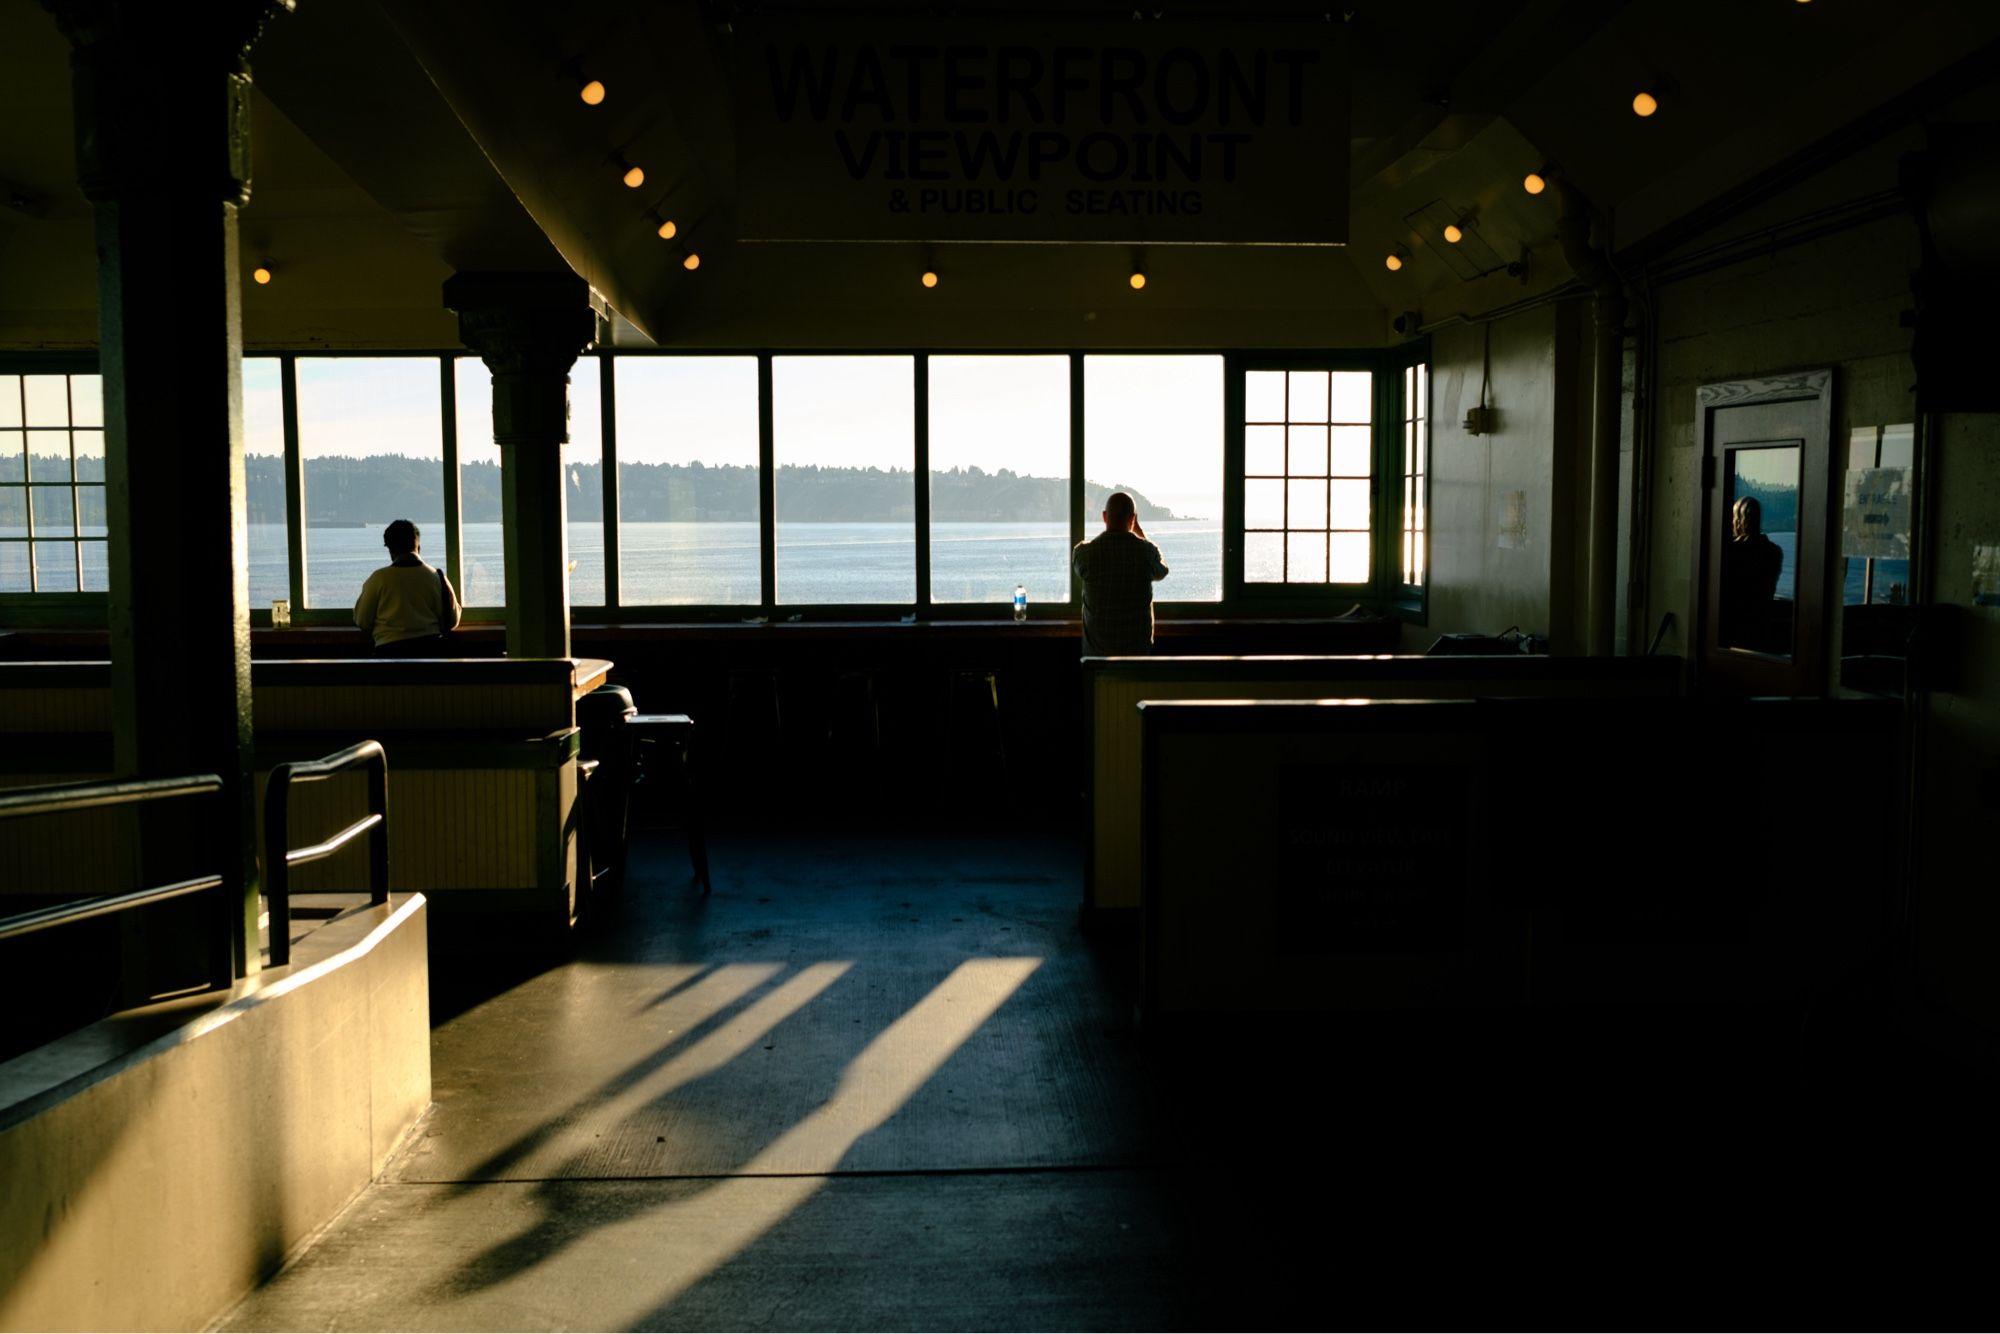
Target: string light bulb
[(930, 278), (692, 262), (1393, 261), (635, 176), (1138, 281), (1645, 104), (592, 93), (261, 275), (1534, 184), (1453, 233), (667, 230)]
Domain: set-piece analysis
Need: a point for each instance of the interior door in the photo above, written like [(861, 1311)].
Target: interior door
[(1765, 534)]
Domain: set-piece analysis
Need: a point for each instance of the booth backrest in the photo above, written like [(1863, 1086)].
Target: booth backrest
[(1114, 687), (1314, 857)]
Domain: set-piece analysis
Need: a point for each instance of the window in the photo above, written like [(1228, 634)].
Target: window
[(1153, 427), (482, 535), (1875, 541), (1308, 446), (751, 480), (688, 496), (844, 441), (264, 475), (1416, 466), (52, 507), (371, 436), (999, 478)]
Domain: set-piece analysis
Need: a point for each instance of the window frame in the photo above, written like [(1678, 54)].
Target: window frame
[(1384, 592)]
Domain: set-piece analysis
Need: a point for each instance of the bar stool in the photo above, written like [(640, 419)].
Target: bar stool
[(665, 741)]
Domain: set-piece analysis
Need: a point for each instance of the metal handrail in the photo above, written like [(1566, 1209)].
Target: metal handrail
[(280, 857), (60, 798)]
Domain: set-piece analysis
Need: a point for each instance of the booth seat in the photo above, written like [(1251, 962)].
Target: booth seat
[(1114, 687), (483, 760)]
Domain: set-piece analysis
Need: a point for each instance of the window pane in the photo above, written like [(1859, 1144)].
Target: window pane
[(264, 471), (10, 401), (48, 455), (844, 441), (47, 399), (1264, 396), (1307, 401), (1350, 505), (13, 456), (583, 466), (86, 400), (687, 481), (1263, 504), (13, 512), (13, 567), (90, 506), (87, 448), (1307, 505), (1264, 451), (1153, 427), (482, 569), (96, 567), (1350, 451), (370, 435), (55, 567), (999, 440), (1353, 397), (1263, 558), (1307, 456), (1305, 558), (55, 514), (1349, 555)]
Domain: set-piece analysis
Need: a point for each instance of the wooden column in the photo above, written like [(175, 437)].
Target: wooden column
[(162, 100), (529, 329)]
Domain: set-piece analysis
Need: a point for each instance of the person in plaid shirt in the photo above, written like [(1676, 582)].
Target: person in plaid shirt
[(1117, 569)]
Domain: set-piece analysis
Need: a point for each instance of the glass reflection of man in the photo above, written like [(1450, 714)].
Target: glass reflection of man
[(1751, 563)]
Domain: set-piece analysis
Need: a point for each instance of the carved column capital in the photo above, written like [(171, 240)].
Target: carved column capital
[(529, 329), (148, 118)]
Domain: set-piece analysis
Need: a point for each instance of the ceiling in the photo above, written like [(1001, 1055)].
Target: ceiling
[(399, 140)]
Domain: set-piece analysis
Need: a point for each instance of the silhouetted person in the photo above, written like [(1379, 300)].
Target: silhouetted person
[(1117, 569), (1751, 563), (407, 605)]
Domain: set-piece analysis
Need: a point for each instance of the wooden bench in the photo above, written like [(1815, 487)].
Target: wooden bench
[(483, 757), (1113, 688)]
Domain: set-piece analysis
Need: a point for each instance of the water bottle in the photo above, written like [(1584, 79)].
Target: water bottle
[(1020, 602)]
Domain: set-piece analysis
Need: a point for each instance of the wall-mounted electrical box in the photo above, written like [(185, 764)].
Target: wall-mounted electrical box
[(1479, 421)]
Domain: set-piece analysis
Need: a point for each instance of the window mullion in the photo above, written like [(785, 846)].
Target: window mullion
[(607, 463), (921, 428), (1079, 491), (767, 488), (295, 481), (454, 554)]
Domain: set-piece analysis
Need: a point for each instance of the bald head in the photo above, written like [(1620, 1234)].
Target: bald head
[(1119, 512)]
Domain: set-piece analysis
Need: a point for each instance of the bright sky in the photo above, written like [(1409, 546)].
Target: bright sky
[(1152, 422)]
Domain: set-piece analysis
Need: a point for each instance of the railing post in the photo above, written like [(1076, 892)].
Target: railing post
[(277, 870), (378, 837)]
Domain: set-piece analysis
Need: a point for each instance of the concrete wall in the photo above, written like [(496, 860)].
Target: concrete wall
[(1503, 540), (153, 1189), (1957, 914)]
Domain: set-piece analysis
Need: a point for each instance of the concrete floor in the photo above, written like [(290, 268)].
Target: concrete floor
[(882, 1082), (873, 1082)]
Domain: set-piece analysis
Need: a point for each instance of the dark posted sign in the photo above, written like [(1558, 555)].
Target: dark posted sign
[(963, 131), (1373, 858)]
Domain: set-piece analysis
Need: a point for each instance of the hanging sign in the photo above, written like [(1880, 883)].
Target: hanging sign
[(970, 131)]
